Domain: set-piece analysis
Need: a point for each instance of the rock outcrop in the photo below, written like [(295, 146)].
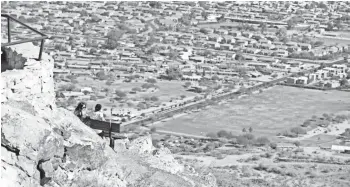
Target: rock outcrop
[(42, 145)]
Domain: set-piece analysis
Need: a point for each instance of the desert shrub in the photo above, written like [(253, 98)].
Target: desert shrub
[(262, 141), (209, 147), (120, 93), (289, 134), (152, 81), (211, 135), (275, 170), (273, 145), (242, 140), (290, 173), (297, 143), (223, 134), (133, 137), (261, 167), (154, 98), (155, 143), (298, 130), (306, 123), (249, 136), (266, 155), (153, 129), (220, 156), (255, 158)]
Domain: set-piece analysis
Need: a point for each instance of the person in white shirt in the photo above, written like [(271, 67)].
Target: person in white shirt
[(98, 114)]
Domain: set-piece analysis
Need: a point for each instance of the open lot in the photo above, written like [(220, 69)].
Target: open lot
[(332, 41), (272, 111), (166, 91)]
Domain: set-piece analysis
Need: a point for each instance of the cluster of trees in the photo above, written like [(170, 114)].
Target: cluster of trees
[(245, 139), (172, 74), (246, 27), (148, 86), (113, 37), (311, 56), (293, 132)]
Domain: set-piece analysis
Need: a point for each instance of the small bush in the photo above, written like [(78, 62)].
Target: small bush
[(153, 129), (223, 134)]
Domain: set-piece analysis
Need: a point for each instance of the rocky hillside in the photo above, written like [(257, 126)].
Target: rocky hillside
[(42, 145)]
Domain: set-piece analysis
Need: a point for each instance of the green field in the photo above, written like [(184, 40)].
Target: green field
[(267, 113)]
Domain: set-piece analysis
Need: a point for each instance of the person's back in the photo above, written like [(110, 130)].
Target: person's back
[(97, 114)]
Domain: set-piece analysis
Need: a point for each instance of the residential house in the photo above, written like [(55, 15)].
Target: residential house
[(215, 38), (291, 80), (302, 80), (197, 59), (267, 60), (210, 44), (304, 46), (341, 148), (331, 83), (226, 47)]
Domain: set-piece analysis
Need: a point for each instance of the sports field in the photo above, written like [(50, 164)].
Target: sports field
[(267, 113)]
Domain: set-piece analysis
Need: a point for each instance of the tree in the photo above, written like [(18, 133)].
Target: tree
[(215, 77), (101, 75), (250, 129), (223, 134), (263, 27), (297, 143), (244, 130), (84, 13), (281, 33), (298, 130), (343, 82), (136, 89), (112, 38), (71, 101), (154, 98), (120, 94), (188, 84), (329, 26), (290, 24), (261, 141)]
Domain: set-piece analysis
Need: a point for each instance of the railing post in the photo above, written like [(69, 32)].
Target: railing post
[(41, 49), (8, 30)]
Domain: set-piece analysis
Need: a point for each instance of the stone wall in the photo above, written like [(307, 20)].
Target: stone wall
[(34, 83)]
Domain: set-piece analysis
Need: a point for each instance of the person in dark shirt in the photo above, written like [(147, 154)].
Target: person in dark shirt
[(80, 110)]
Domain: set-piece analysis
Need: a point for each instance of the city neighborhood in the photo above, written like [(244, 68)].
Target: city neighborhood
[(256, 92)]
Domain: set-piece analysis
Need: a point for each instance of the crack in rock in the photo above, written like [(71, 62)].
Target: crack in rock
[(6, 144), (43, 179)]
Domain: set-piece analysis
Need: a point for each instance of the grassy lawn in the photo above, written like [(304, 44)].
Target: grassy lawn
[(272, 111)]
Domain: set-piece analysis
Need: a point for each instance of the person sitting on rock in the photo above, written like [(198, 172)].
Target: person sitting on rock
[(80, 110), (98, 114)]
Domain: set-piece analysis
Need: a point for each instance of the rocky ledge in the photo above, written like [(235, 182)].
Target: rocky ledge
[(61, 151)]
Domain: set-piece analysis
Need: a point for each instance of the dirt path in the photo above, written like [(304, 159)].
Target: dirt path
[(181, 134)]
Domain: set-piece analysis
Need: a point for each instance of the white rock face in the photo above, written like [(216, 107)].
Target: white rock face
[(142, 145), (34, 83)]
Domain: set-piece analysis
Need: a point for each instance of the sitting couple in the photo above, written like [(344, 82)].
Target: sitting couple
[(80, 111)]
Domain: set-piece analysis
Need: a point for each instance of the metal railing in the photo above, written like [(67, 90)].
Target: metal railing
[(42, 38)]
